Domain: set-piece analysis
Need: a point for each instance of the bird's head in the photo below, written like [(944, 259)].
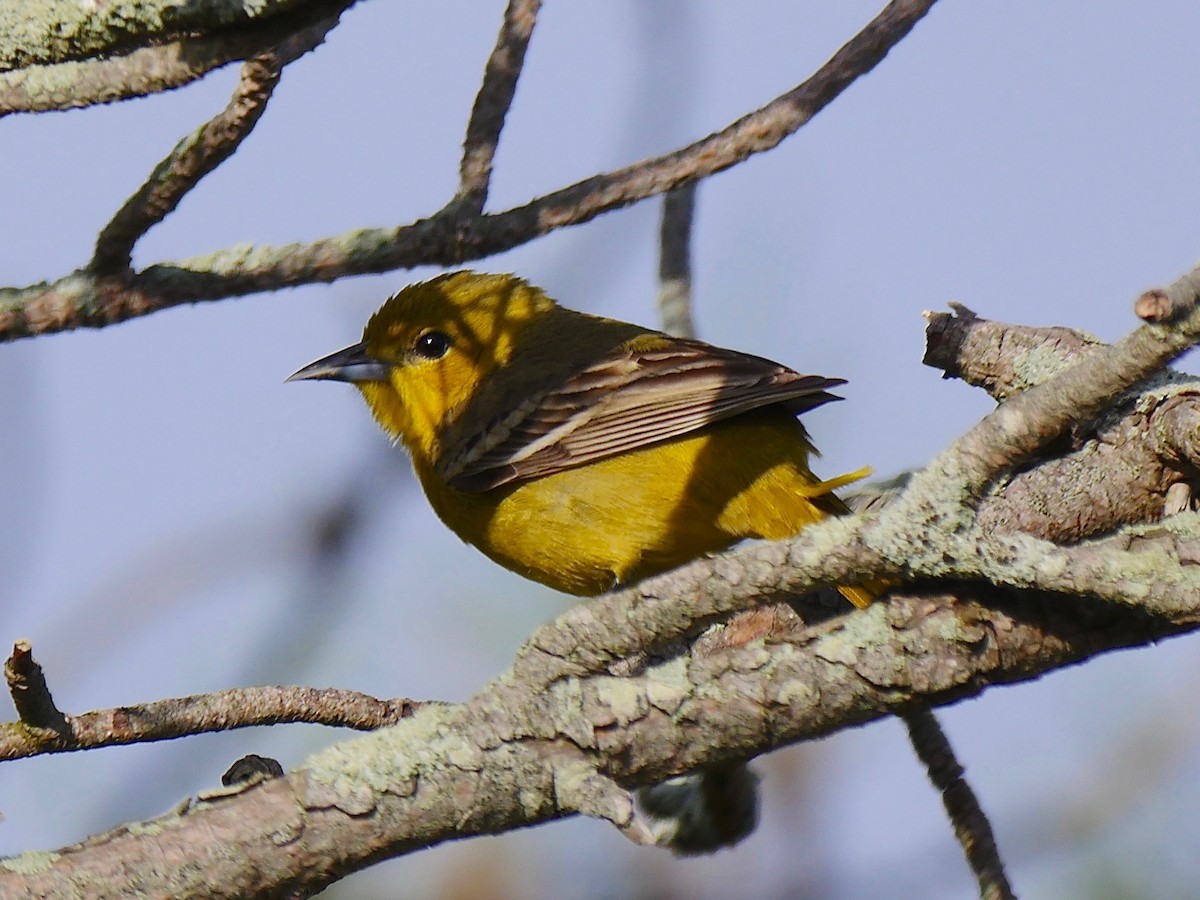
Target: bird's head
[(430, 348)]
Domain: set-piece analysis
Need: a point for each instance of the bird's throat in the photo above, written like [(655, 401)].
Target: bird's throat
[(401, 420)]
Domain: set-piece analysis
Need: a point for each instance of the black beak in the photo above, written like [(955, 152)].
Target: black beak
[(348, 364)]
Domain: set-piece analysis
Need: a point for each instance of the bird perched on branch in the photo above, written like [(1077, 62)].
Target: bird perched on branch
[(587, 453), (583, 452)]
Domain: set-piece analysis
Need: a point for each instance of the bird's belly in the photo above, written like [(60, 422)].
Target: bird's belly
[(589, 529)]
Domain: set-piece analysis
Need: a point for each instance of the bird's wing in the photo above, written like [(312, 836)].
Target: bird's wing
[(634, 397)]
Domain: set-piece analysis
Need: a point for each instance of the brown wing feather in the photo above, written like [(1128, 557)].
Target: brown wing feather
[(621, 403)]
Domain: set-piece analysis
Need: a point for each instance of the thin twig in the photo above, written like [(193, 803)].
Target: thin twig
[(675, 261), (31, 696), (201, 713), (493, 101), (971, 825), (202, 151), (84, 300)]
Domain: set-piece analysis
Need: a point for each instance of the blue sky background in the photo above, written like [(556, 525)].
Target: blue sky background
[(160, 486)]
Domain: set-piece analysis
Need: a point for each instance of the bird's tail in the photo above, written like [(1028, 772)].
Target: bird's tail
[(861, 595), (826, 488)]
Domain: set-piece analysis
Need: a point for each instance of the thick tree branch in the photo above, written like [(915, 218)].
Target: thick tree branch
[(1121, 469), (497, 762), (56, 31), (147, 70), (940, 500), (84, 300)]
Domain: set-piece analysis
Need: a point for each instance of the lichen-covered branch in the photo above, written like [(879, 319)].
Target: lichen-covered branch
[(1000, 358), (450, 237), (55, 31), (931, 529), (148, 69), (500, 760), (1096, 476)]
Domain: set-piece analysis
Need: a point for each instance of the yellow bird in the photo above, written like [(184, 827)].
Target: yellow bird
[(583, 452)]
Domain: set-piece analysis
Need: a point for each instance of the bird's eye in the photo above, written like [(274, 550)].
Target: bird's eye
[(432, 345)]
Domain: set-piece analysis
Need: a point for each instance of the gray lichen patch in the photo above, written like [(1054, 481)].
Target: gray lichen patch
[(351, 775), (30, 863), (615, 701), (668, 685)]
